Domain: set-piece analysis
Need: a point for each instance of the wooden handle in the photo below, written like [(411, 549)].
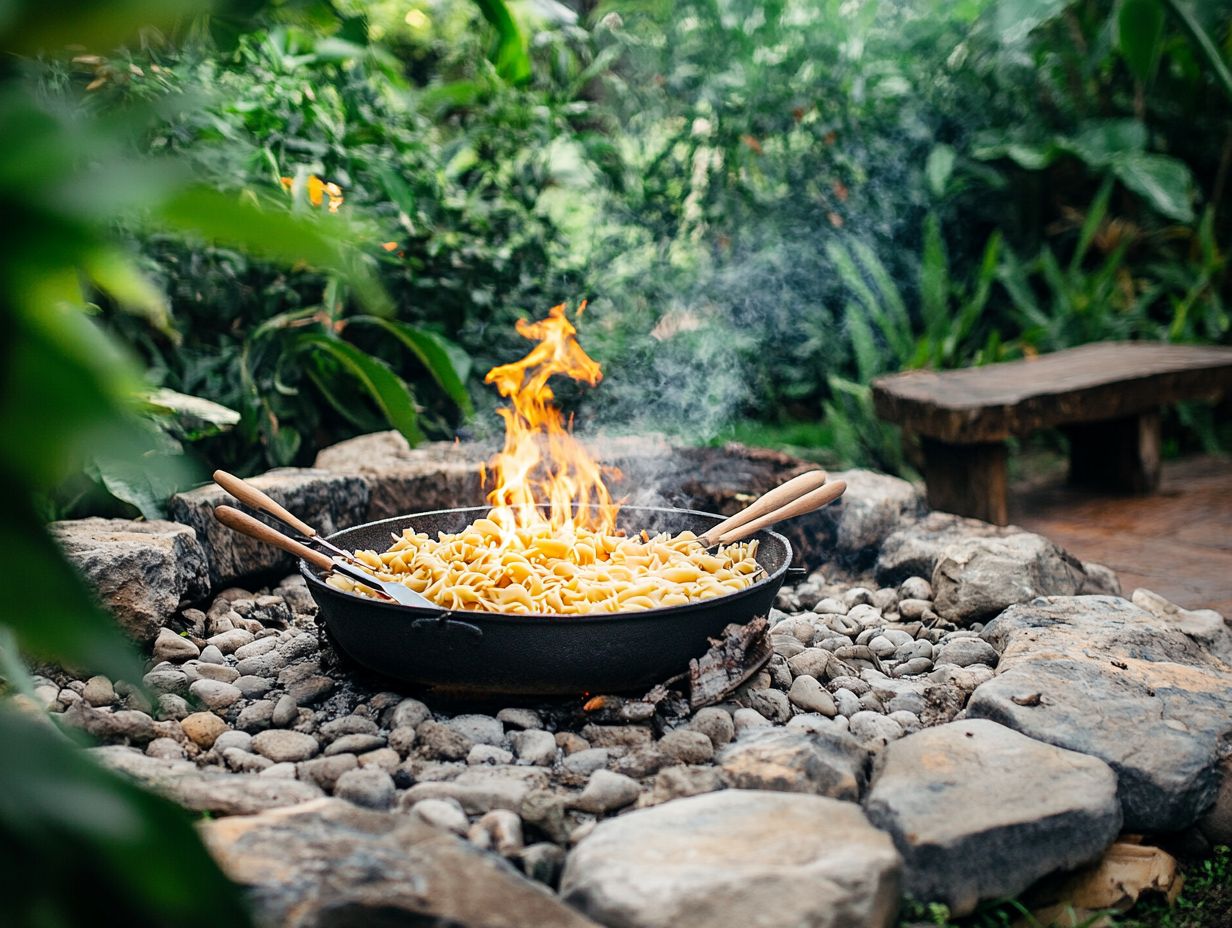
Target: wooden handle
[(246, 493), (246, 525), (806, 503), (777, 498)]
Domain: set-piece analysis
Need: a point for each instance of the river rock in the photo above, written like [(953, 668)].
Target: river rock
[(981, 812), (285, 746), (326, 501), (978, 577), (332, 863), (873, 507), (141, 571), (1098, 675), (829, 763), (734, 859)]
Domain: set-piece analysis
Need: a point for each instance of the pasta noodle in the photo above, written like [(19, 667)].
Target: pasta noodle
[(530, 570)]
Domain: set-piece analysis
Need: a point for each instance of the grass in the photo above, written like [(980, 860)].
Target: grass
[(1204, 902)]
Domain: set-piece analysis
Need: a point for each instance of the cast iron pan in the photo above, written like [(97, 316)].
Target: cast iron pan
[(489, 654)]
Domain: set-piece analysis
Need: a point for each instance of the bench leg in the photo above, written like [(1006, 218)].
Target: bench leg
[(1120, 454), (967, 480)]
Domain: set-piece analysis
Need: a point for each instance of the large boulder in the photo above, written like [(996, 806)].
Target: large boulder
[(913, 548), (328, 502), (828, 764), (975, 578), (735, 859), (1098, 675), (981, 812), (329, 863), (874, 506), (217, 793), (142, 571)]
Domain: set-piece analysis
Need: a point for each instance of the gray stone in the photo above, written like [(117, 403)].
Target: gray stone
[(830, 764), (205, 791), (500, 830), (99, 692), (253, 687), (520, 718), (715, 723), (442, 742), (127, 726), (264, 665), (230, 642), (734, 859), (142, 571), (168, 646), (285, 746), (586, 761), (481, 729), (245, 761), (284, 712), (355, 744), (327, 502), (233, 739), (534, 746), (311, 689), (686, 747), (369, 787), (874, 729), (1099, 580), (211, 655), (215, 694), (256, 648), (680, 781), (325, 771), (966, 651), (441, 813), (409, 713), (749, 720), (333, 863), (981, 812), (166, 681), (914, 548), (770, 704), (347, 725), (481, 789), (1098, 675), (606, 791), (1205, 626), (490, 754), (196, 670), (873, 507), (402, 740), (171, 706), (283, 771), (976, 578), (166, 749), (808, 694)]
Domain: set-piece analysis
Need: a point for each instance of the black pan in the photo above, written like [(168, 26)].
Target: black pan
[(486, 653)]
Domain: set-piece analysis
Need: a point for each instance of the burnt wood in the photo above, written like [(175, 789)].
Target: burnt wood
[(1108, 380), (1106, 396)]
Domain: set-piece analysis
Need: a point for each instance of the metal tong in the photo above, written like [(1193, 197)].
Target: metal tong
[(343, 561)]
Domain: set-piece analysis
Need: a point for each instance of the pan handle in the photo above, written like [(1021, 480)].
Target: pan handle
[(444, 623)]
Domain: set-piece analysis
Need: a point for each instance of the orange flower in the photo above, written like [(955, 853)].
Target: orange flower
[(318, 191)]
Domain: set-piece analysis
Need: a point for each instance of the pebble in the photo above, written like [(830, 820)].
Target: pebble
[(257, 648), (871, 702), (913, 667), (409, 713), (255, 716), (211, 654), (490, 754), (571, 742), (169, 646), (914, 609), (297, 647), (535, 747), (586, 761), (442, 813), (748, 719), (830, 606), (885, 599), (867, 616), (857, 596), (166, 749), (347, 725), (172, 706), (441, 742), (370, 787), (846, 702), (99, 691), (871, 727), (355, 744), (715, 723), (263, 665), (311, 690), (686, 747), (385, 759), (215, 694), (520, 718), (914, 588), (907, 701), (482, 729), (284, 712), (233, 739), (245, 761), (881, 645), (283, 771), (854, 684), (229, 642), (253, 687), (810, 696), (909, 721), (606, 791), (966, 651), (325, 771), (402, 739), (203, 728), (201, 671), (281, 746), (165, 681), (811, 661), (543, 862), (771, 704), (499, 830)]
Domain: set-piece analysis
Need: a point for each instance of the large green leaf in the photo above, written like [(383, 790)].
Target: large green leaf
[(383, 385), (1165, 183), (511, 54), (1140, 31), (80, 841), (1100, 142), (277, 234), (1205, 43), (448, 364)]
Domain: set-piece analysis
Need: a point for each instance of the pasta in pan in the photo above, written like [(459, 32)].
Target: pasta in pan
[(531, 570)]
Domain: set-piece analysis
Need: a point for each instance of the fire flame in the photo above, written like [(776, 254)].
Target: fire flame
[(541, 461)]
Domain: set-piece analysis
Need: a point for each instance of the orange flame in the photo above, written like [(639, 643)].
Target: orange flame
[(541, 461)]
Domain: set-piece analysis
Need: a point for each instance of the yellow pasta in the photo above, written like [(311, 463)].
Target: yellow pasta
[(529, 570)]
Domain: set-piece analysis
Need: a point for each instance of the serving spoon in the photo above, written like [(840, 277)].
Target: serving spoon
[(798, 496), (245, 524)]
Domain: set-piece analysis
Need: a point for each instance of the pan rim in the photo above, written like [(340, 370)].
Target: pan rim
[(548, 618)]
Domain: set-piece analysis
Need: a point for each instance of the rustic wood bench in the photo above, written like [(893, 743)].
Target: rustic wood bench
[(1106, 396)]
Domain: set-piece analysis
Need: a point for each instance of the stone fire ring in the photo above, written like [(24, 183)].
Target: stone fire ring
[(952, 712)]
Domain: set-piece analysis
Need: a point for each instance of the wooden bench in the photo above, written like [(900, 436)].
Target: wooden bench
[(1106, 396)]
